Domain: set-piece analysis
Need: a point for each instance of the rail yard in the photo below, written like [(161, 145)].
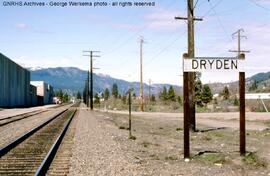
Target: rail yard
[(51, 142)]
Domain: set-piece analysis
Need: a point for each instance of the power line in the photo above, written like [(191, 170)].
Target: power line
[(138, 32), (219, 20), (212, 8), (135, 70), (259, 5)]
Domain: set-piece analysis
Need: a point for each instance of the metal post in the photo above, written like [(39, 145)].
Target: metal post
[(242, 110)]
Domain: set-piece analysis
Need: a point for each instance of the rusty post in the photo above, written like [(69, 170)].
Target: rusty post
[(129, 109), (186, 111), (242, 109)]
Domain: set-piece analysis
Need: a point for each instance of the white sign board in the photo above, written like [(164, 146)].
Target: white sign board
[(257, 96), (204, 64)]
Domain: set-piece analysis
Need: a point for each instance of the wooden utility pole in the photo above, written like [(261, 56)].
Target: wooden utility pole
[(141, 74), (191, 76), (189, 79), (91, 75), (239, 36), (87, 90)]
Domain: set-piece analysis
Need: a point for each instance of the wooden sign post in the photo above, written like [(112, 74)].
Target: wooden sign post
[(242, 109), (209, 64)]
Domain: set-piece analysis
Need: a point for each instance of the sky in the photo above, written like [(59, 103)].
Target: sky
[(57, 36)]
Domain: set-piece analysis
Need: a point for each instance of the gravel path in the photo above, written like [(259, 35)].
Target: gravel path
[(96, 152), (101, 147)]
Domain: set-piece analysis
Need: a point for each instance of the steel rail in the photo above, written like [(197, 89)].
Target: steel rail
[(15, 142), (44, 166), (23, 117)]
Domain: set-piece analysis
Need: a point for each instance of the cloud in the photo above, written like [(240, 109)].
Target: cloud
[(24, 26), (158, 19), (262, 1), (163, 19), (128, 26), (21, 26)]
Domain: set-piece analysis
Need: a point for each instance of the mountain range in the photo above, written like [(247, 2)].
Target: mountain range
[(72, 80)]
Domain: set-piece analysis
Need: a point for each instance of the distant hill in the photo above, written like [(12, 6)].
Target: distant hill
[(262, 79), (72, 79)]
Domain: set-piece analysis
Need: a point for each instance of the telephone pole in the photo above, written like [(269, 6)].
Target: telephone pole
[(86, 88), (141, 74), (149, 90), (239, 36), (91, 74), (190, 76), (188, 81)]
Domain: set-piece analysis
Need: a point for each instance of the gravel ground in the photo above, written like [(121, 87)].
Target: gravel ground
[(101, 147), (228, 120), (96, 152), (13, 130)]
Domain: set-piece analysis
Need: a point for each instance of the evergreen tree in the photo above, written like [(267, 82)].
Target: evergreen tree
[(124, 99), (79, 96), (163, 95), (215, 101), (198, 92), (115, 90), (171, 94), (96, 99), (153, 98), (180, 100), (65, 98), (225, 93), (206, 95), (235, 101), (254, 86), (106, 94)]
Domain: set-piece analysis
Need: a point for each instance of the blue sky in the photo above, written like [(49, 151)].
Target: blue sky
[(56, 36)]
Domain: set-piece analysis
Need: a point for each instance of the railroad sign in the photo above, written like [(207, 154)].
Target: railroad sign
[(204, 64)]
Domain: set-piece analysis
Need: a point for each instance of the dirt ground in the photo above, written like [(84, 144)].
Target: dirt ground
[(158, 147)]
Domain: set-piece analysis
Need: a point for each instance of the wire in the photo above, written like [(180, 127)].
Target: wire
[(259, 5), (212, 7), (195, 4), (219, 20), (137, 33)]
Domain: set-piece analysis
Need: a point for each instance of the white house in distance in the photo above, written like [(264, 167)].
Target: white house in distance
[(44, 92)]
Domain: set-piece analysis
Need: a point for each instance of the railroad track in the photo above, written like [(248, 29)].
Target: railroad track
[(15, 118), (8, 120), (33, 152)]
